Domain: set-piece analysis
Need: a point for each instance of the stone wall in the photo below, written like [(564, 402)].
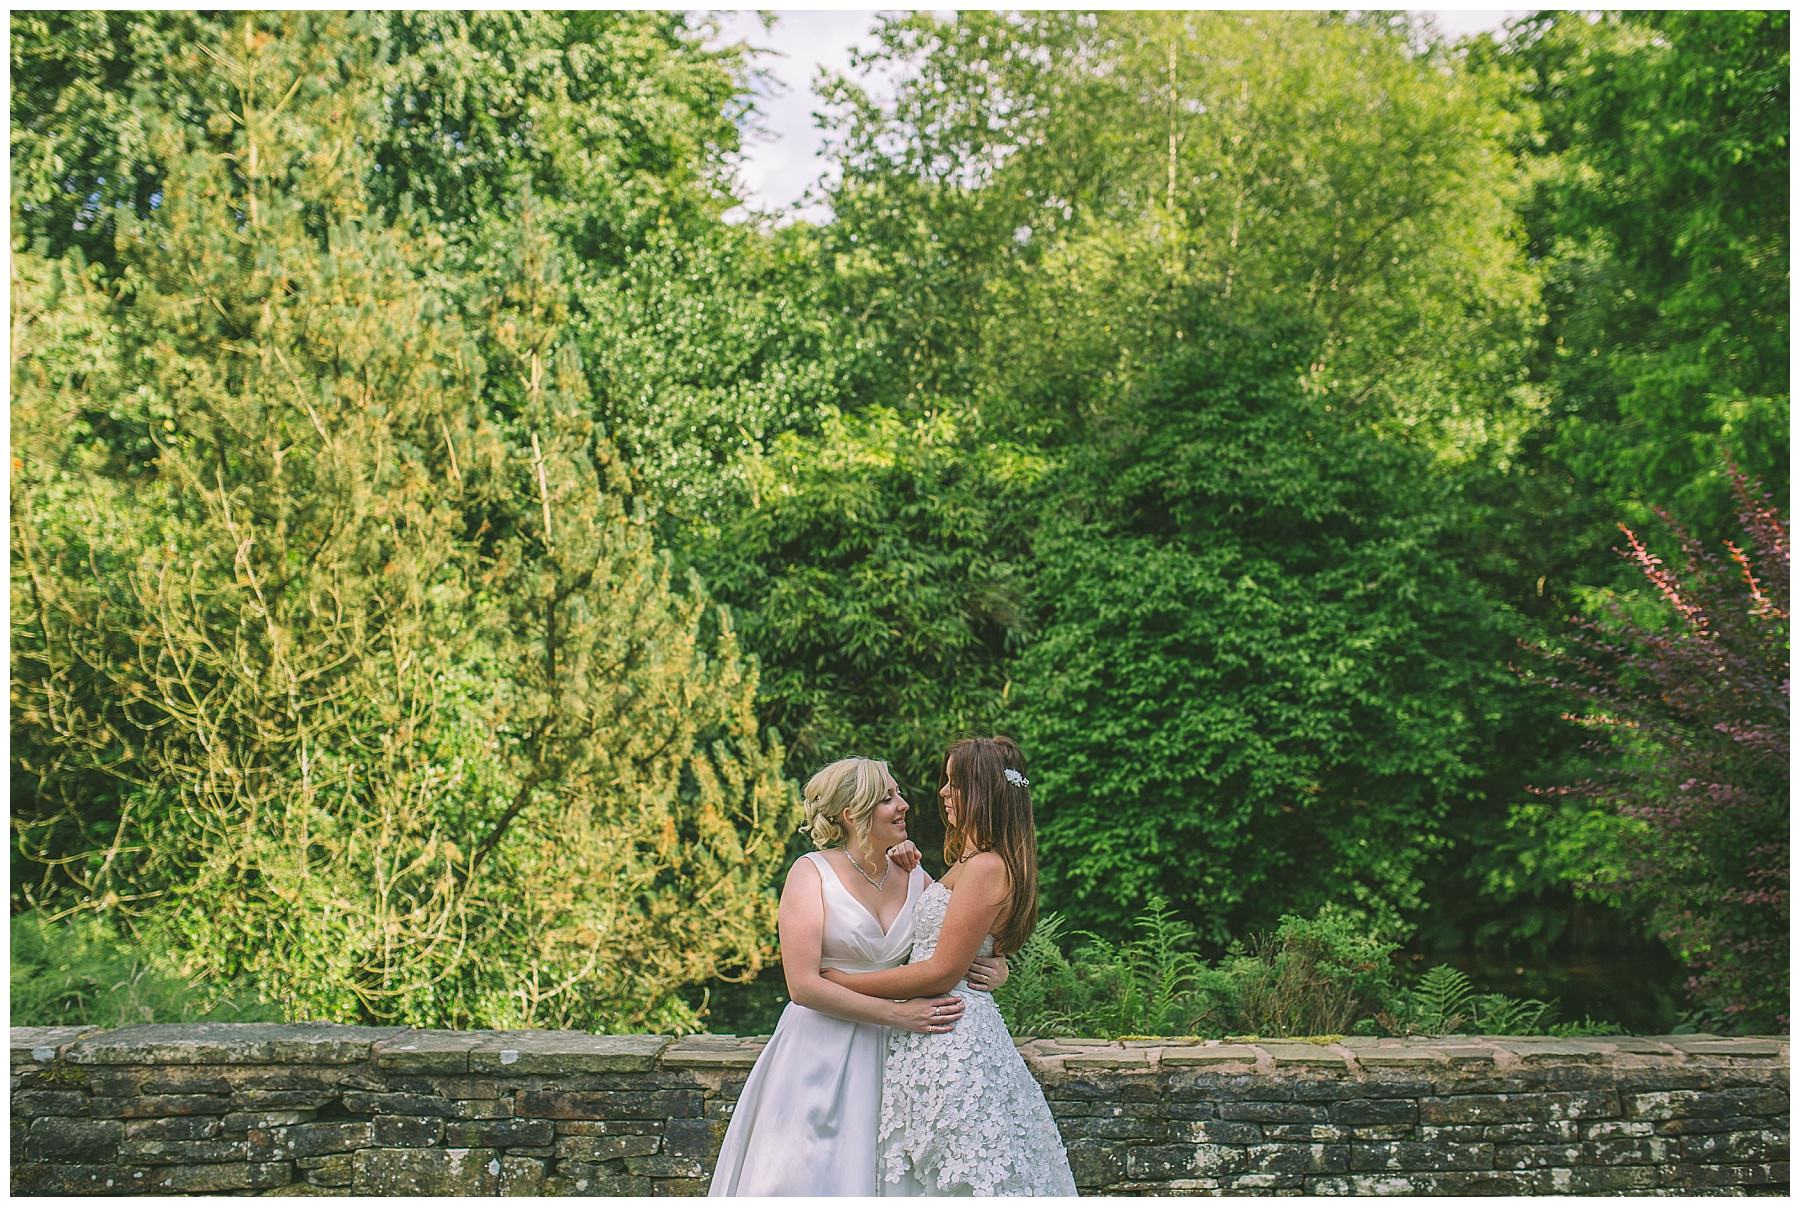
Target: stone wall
[(331, 1110)]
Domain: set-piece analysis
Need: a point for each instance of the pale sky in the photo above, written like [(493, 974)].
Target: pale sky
[(780, 166)]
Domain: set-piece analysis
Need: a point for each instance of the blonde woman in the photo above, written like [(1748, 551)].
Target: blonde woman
[(805, 1122)]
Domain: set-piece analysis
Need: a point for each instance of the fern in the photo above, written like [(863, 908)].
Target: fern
[(1498, 1014), (1151, 984), (1040, 975), (1311, 977), (1440, 1001), (1163, 974)]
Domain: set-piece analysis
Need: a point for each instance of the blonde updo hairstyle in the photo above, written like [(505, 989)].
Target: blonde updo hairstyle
[(847, 790)]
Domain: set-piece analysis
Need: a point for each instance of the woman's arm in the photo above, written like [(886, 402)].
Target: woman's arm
[(801, 923), (981, 891), (986, 973)]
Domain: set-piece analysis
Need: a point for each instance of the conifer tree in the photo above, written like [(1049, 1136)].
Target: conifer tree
[(362, 683)]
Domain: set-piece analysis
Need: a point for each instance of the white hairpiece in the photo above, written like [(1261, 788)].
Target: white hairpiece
[(1017, 778)]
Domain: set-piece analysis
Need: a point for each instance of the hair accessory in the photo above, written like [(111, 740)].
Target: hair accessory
[(1017, 778)]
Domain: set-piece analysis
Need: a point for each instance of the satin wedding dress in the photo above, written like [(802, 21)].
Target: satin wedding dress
[(960, 1112), (805, 1123)]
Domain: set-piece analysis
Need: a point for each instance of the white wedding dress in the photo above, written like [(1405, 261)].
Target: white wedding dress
[(960, 1112), (805, 1123)]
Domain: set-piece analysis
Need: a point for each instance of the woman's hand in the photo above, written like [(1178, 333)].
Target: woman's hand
[(928, 1015), (905, 855), (988, 973)]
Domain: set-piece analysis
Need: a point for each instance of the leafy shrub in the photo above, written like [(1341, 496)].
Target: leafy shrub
[(1312, 976), (81, 971), (1686, 693)]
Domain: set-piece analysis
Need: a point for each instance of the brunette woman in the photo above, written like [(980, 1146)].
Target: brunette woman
[(960, 1112)]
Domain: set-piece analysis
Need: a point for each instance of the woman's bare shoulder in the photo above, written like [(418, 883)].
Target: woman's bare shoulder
[(985, 872)]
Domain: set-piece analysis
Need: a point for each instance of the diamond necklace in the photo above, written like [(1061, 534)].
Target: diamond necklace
[(878, 884)]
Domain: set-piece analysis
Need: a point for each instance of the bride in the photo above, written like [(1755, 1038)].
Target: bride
[(805, 1123), (960, 1112)]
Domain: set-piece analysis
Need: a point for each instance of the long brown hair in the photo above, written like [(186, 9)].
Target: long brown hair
[(995, 815)]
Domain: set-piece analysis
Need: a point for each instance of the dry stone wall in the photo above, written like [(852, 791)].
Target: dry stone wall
[(324, 1109)]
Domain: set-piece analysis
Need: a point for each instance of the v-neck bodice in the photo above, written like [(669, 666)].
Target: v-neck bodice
[(853, 939)]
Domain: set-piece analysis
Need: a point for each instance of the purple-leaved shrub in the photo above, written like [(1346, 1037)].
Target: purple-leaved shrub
[(1690, 723)]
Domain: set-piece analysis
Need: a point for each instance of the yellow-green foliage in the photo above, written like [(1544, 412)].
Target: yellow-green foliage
[(80, 971), (361, 682)]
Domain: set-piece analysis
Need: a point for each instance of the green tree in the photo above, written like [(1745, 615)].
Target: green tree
[(1660, 212), (704, 353), (82, 85), (1034, 228), (621, 126), (623, 121), (880, 572), (1653, 158), (396, 709), (1256, 685), (696, 336), (1021, 225)]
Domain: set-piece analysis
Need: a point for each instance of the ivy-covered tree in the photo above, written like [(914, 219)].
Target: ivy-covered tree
[(366, 686)]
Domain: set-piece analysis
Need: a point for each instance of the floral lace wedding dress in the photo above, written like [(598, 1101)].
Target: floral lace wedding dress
[(960, 1112)]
